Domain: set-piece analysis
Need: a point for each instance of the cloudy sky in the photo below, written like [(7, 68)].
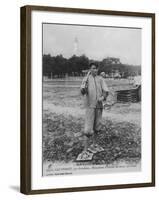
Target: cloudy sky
[(95, 42)]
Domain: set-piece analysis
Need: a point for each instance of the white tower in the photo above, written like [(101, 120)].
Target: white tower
[(75, 46)]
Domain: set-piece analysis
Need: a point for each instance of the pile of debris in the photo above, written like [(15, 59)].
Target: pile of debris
[(131, 95)]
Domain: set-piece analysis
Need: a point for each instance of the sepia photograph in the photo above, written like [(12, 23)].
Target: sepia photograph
[(91, 99)]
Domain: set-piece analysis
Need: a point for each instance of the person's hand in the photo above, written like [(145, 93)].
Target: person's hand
[(101, 98)]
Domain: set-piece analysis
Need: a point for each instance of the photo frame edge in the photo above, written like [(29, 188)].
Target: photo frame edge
[(25, 95)]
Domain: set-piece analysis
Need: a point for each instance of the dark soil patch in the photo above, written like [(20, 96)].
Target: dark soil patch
[(62, 140)]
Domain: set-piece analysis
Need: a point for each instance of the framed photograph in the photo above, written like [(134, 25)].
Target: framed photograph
[(87, 99)]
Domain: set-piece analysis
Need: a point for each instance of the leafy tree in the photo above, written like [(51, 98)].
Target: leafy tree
[(58, 66)]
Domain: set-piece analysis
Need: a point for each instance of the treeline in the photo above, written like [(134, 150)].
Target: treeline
[(59, 67)]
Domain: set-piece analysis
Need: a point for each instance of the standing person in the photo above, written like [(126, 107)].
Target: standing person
[(95, 91), (103, 75), (137, 84)]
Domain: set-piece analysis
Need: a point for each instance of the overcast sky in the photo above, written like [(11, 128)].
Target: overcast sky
[(95, 42)]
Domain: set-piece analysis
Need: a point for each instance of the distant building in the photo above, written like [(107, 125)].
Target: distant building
[(111, 60), (117, 74)]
